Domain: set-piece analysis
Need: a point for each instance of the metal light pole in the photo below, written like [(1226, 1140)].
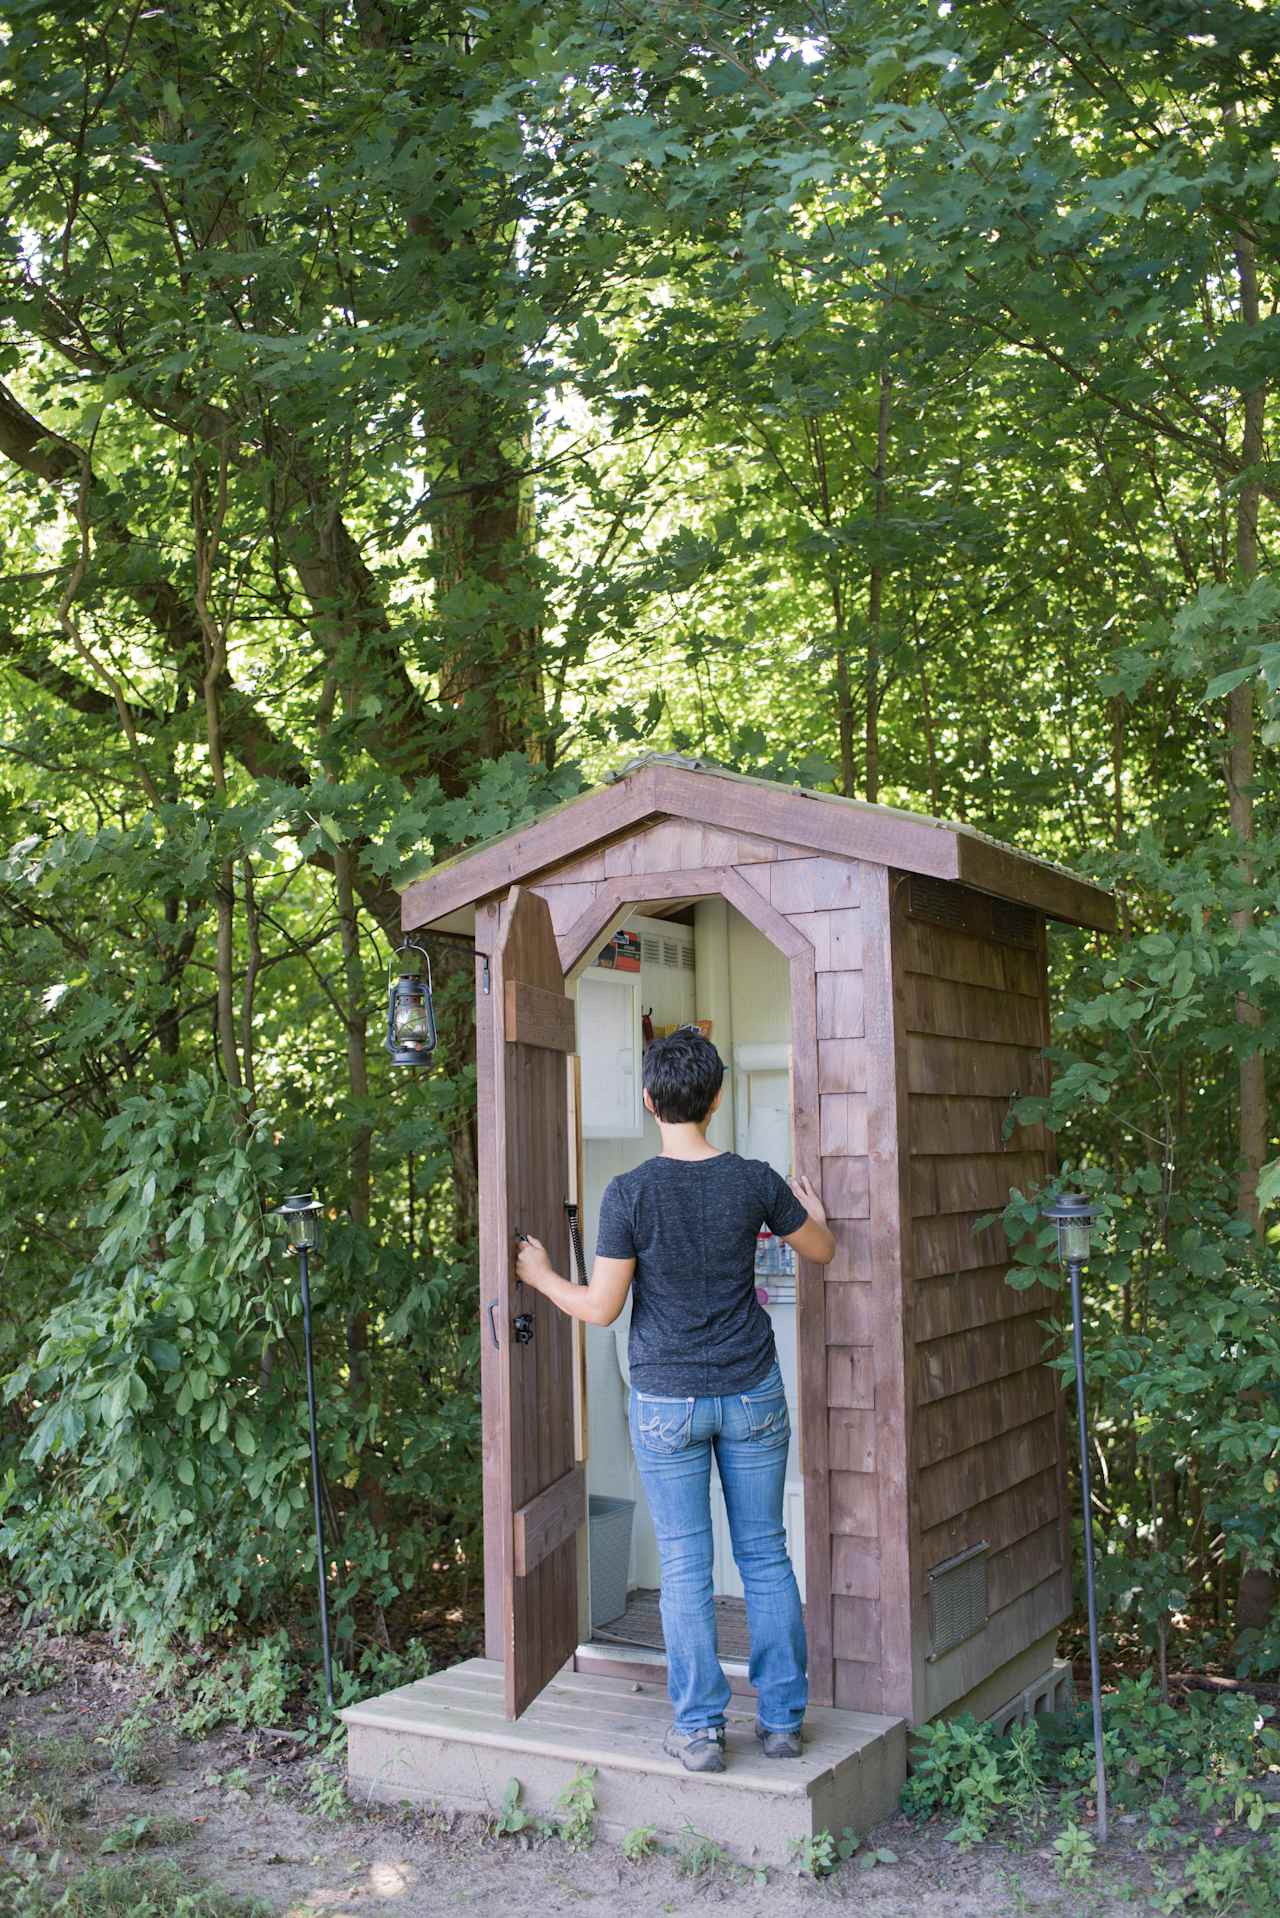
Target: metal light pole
[(300, 1215), (1072, 1214)]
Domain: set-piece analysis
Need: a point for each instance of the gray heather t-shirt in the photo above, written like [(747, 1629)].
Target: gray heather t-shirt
[(697, 1327)]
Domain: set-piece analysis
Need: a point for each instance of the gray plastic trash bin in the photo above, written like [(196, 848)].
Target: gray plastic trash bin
[(609, 1544)]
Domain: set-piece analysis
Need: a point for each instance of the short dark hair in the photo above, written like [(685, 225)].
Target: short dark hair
[(682, 1075)]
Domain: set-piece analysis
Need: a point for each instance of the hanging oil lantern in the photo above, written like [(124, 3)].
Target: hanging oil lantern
[(411, 1018)]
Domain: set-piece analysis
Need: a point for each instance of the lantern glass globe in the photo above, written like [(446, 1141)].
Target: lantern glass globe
[(1073, 1241), (1073, 1217), (300, 1215), (412, 1020)]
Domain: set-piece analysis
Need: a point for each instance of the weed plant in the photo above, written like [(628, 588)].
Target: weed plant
[(130, 1746), (578, 1803), (327, 1791), (1169, 1767), (148, 1832), (698, 1856)]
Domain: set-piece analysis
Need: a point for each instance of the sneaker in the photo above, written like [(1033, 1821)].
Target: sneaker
[(701, 1750), (779, 1744)]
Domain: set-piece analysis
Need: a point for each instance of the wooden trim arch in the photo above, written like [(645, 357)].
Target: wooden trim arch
[(635, 890)]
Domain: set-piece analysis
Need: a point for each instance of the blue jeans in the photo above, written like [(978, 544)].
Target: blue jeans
[(673, 1440)]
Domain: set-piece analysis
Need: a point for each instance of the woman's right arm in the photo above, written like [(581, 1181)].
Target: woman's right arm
[(598, 1303)]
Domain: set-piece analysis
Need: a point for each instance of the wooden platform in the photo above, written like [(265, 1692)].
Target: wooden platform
[(444, 1741)]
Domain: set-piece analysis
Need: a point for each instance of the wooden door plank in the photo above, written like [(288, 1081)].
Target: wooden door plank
[(550, 1518), (535, 1017), (530, 1119), (494, 1238), (581, 1430)]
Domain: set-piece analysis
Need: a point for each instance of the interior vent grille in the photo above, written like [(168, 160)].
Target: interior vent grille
[(935, 899), (957, 1599), (686, 958), (1012, 925), (670, 953), (651, 951)]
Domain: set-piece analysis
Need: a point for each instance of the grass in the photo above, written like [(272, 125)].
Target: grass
[(62, 1756), (45, 1785), (137, 1889)]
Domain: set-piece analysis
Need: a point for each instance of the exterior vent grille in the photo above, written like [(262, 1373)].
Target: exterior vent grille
[(1012, 925), (957, 1599), (674, 954), (934, 899)]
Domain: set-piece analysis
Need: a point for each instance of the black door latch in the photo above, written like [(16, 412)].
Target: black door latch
[(522, 1323)]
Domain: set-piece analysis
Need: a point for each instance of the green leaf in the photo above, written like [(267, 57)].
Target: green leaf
[(1227, 682)]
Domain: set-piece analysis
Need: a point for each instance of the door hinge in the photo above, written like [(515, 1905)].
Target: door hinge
[(484, 975)]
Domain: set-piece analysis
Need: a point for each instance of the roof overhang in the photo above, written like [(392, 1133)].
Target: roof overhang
[(444, 898)]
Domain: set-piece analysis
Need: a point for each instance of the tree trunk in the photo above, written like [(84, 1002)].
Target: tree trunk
[(875, 590), (359, 1335), (1258, 1589), (482, 536)]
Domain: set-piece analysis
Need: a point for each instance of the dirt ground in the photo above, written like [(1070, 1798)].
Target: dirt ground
[(238, 1816)]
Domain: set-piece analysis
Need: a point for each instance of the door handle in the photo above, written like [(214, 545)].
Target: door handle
[(493, 1323)]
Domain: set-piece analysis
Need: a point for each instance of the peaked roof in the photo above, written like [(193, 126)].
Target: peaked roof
[(669, 785)]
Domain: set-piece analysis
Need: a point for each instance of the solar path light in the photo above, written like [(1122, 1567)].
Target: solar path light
[(1073, 1216), (300, 1215)]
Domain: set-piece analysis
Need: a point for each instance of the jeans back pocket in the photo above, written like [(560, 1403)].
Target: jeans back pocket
[(766, 1410), (662, 1425)]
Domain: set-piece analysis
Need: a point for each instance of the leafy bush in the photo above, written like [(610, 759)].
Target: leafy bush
[(163, 1485)]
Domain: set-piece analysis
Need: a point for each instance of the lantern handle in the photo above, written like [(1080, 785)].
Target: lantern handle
[(410, 945)]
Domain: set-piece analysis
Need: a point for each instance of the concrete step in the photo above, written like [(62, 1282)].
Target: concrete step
[(444, 1741)]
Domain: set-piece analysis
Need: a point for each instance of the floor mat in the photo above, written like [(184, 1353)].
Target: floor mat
[(641, 1624)]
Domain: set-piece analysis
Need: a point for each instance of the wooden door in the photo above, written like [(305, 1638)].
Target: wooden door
[(540, 1497)]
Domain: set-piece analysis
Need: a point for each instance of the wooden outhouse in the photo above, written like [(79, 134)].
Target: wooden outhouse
[(875, 981)]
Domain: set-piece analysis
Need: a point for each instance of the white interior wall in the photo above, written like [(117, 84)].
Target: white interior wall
[(741, 983), (669, 991)]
